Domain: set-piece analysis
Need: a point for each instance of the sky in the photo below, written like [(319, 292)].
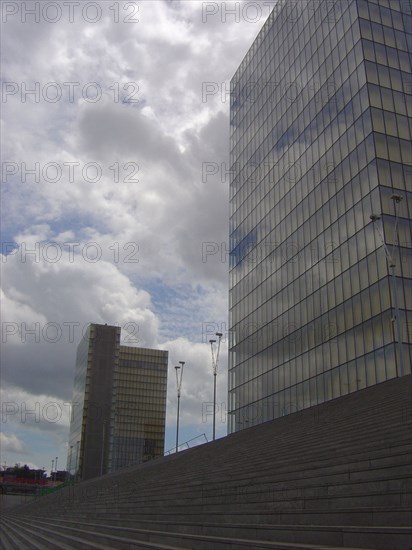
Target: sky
[(115, 152)]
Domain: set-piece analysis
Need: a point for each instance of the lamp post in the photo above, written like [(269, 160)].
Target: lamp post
[(392, 265), (52, 468), (70, 462), (179, 378), (77, 460), (55, 477), (215, 361), (103, 443)]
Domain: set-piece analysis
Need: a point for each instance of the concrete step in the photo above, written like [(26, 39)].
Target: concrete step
[(368, 516), (79, 539), (348, 444), (370, 493), (395, 498), (351, 435), (380, 516), (141, 538), (367, 432), (364, 437), (395, 491), (7, 540), (341, 536), (281, 474), (264, 490), (18, 538), (267, 488), (335, 475), (343, 463), (49, 539)]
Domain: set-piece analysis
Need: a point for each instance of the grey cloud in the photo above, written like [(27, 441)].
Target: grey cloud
[(169, 213), (107, 131)]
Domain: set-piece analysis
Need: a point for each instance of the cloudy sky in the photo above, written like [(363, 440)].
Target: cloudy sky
[(115, 125)]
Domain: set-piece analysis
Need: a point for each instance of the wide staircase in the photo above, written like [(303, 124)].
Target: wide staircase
[(337, 475)]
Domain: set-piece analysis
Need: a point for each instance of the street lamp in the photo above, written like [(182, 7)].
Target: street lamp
[(179, 378), (70, 462), (215, 361), (77, 461), (390, 258), (52, 468), (103, 443)]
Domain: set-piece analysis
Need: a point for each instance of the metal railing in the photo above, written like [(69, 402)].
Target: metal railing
[(173, 450)]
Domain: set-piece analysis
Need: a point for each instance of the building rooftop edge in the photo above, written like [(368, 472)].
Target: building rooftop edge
[(122, 347), (259, 37)]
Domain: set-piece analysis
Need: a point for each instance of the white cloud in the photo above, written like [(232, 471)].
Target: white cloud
[(26, 410), (11, 443), (151, 233)]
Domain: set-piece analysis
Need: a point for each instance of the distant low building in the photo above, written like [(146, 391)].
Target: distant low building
[(60, 475), (21, 480), (119, 404)]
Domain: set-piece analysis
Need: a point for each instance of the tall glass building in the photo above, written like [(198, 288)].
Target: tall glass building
[(321, 205), (119, 404)]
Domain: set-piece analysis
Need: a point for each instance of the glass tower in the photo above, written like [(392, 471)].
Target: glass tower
[(119, 404), (320, 301), (139, 426)]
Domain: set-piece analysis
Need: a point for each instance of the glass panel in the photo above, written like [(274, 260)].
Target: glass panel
[(344, 384), (370, 369), (320, 386), (352, 377), (361, 373), (328, 385), (336, 383), (380, 365)]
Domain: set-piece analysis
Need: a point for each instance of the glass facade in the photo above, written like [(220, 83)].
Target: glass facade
[(140, 408), (320, 142), (119, 404), (78, 402)]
